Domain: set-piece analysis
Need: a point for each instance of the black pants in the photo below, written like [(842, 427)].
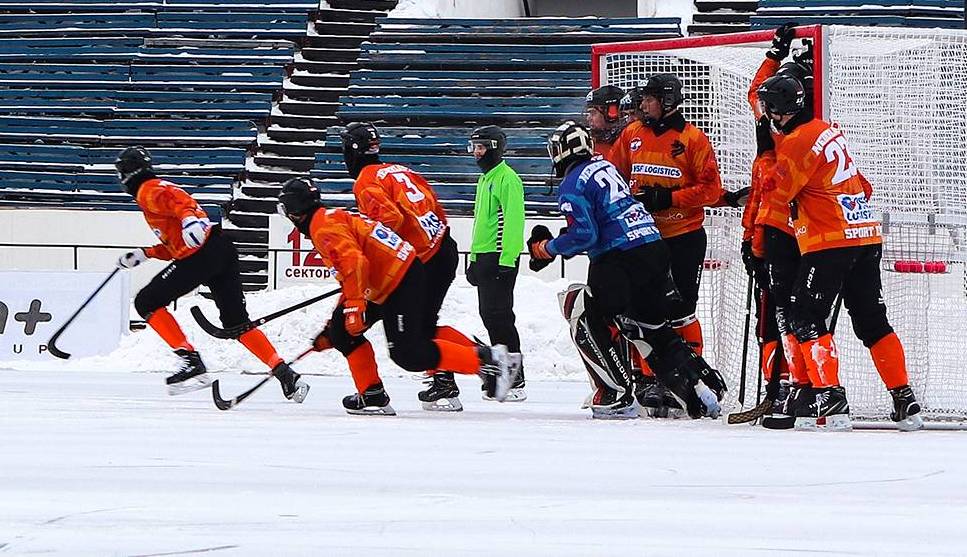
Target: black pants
[(635, 283), (215, 265), (440, 271), (687, 261), (495, 297), (776, 279), (854, 271)]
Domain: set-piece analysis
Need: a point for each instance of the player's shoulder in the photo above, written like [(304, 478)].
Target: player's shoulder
[(808, 133)]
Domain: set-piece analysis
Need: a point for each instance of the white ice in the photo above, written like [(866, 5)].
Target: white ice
[(104, 463)]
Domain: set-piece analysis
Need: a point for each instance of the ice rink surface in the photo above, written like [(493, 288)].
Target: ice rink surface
[(105, 463)]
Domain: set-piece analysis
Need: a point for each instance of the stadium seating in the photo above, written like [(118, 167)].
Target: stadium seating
[(947, 14)]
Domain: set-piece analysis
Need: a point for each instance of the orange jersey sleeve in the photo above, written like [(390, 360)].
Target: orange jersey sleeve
[(403, 200), (370, 259), (164, 206)]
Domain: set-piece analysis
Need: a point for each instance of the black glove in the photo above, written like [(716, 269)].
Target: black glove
[(540, 235), (805, 57), (763, 136), (781, 41), (737, 198), (655, 198)]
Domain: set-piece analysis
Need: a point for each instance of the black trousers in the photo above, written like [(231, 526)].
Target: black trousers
[(495, 299), (776, 279), (215, 265), (854, 271), (635, 283), (686, 262)]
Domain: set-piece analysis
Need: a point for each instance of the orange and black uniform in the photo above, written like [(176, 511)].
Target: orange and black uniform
[(676, 155), (839, 236), (401, 199), (373, 263)]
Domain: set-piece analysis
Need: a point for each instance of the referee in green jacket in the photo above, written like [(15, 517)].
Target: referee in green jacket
[(498, 238)]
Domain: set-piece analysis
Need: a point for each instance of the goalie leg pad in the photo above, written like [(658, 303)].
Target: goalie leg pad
[(690, 379)]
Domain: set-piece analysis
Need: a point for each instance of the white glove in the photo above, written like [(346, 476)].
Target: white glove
[(132, 259), (194, 231)]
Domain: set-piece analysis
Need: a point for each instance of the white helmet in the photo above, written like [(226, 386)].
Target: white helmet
[(570, 142)]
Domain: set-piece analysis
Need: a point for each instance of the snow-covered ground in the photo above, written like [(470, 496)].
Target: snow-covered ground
[(104, 463)]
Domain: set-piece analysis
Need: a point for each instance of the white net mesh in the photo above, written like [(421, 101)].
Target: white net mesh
[(900, 95)]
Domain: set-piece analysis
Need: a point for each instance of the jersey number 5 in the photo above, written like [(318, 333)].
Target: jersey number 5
[(845, 169)]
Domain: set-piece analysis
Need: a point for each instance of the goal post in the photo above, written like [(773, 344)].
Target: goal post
[(900, 97)]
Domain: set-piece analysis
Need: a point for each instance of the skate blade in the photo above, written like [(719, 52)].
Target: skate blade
[(806, 424), (300, 394), (191, 384), (911, 423), (373, 411), (444, 405), (657, 412), (838, 422), (630, 413), (778, 422)]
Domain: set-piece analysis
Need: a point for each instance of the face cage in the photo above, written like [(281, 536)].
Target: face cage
[(487, 143)]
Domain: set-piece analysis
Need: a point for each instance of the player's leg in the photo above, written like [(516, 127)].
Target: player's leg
[(177, 279), (442, 392), (819, 281), (863, 297), (495, 296), (687, 261), (370, 397)]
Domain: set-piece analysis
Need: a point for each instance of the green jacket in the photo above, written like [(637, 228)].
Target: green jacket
[(498, 215)]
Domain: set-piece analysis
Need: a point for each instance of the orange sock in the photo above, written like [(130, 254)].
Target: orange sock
[(890, 361), (457, 358), (793, 355), (167, 328), (362, 366), (450, 334), (258, 344), (768, 361), (692, 334), (822, 361)]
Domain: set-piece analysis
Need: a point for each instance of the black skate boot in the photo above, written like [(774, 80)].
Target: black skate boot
[(293, 387), (373, 402), (906, 409), (829, 403), (783, 415), (442, 394), (516, 392), (191, 376), (607, 404), (496, 362), (652, 400)]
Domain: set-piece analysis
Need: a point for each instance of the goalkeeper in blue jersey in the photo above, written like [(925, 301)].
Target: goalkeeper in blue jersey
[(629, 284)]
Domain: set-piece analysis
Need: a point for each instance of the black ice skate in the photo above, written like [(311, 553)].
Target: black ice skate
[(373, 402), (826, 402), (293, 387), (496, 362), (441, 396), (516, 392), (784, 417), (906, 409), (658, 402), (191, 376)]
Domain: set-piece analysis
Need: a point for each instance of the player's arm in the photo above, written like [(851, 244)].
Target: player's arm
[(705, 188), (510, 196), (337, 244), (171, 202), (374, 202), (582, 230)]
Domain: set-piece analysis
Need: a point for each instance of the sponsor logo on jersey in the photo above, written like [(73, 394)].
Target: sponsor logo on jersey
[(641, 233), (855, 208), (635, 144), (862, 232), (656, 170), (636, 216), (678, 148), (386, 236)]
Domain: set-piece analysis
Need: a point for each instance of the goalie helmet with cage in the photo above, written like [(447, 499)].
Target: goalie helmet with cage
[(360, 146), (570, 143)]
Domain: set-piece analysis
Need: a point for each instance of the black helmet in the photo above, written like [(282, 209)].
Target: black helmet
[(134, 167), (782, 95), (665, 87), (299, 197), (631, 102), (568, 144), (494, 139), (607, 99), (360, 146)]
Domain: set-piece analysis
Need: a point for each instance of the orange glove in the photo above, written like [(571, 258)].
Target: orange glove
[(354, 316)]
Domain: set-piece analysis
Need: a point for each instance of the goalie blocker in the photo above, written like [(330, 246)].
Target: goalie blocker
[(629, 284)]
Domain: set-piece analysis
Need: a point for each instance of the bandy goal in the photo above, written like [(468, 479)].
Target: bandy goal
[(900, 97)]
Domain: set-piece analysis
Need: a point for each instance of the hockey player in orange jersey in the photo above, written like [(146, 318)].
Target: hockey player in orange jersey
[(604, 117), (200, 254), (839, 237), (382, 279), (403, 201), (671, 168)]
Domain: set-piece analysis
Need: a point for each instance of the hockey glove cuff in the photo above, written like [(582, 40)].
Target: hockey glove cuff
[(194, 231), (354, 316), (132, 259), (781, 41)]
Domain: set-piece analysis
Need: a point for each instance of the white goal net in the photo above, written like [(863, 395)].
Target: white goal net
[(900, 95)]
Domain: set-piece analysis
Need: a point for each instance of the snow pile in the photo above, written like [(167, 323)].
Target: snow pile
[(547, 348)]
